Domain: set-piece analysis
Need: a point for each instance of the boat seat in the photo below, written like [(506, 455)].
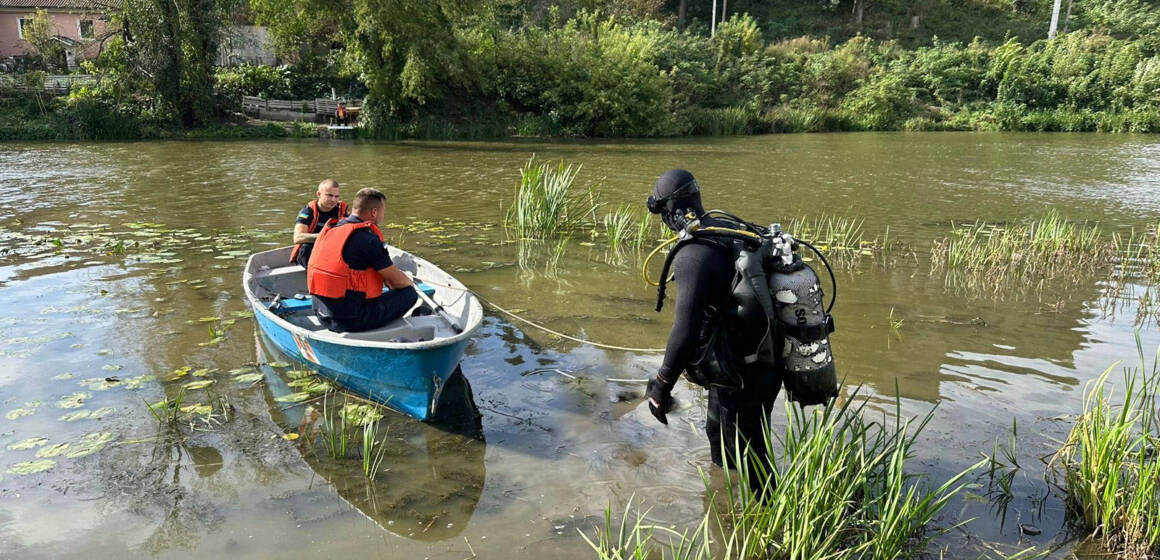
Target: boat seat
[(285, 280), (403, 329)]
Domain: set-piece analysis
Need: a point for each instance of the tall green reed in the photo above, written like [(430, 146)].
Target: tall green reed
[(546, 202), (1109, 463), (842, 491)]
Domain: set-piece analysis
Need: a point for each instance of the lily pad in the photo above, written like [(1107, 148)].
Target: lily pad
[(111, 367), (279, 365), (89, 444), (207, 319), (243, 314), (204, 372), (180, 372), (293, 397), (62, 376), (194, 385), (88, 414), (203, 409), (31, 467), (133, 383), (19, 412), (248, 377), (52, 450), (75, 400), (27, 443), (299, 373)]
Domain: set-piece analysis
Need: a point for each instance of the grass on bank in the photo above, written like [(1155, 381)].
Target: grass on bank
[(1109, 465), (842, 491)]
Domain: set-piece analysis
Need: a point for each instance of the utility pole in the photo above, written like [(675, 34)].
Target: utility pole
[(723, 16), (1054, 19), (713, 20)]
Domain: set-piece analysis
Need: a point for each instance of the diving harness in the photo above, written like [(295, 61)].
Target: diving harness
[(775, 322)]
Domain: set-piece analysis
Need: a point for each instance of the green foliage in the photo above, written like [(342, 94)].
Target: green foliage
[(590, 77), (270, 82), (41, 34)]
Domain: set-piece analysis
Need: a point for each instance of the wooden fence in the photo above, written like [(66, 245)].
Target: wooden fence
[(323, 107)]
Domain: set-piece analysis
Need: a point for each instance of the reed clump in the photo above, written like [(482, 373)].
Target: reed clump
[(1043, 249), (1109, 465), (547, 202), (842, 491)]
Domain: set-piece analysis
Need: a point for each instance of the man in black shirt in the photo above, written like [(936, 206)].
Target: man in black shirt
[(350, 265), (328, 208), (704, 272)]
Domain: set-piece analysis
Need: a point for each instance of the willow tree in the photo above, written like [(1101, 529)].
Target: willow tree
[(170, 47), (405, 51)]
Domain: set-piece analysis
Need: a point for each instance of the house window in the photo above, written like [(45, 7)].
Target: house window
[(21, 24), (86, 29)]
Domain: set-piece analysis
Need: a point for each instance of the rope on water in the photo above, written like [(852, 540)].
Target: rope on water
[(542, 327)]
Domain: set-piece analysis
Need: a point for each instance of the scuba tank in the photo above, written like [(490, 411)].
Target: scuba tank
[(775, 323), (806, 361)]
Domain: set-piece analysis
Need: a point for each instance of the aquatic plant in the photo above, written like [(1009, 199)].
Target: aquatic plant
[(832, 234), (1108, 463), (841, 492), (373, 450), (618, 227), (546, 202), (167, 410), (986, 255), (895, 324)]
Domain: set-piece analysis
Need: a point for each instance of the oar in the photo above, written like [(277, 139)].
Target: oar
[(437, 307)]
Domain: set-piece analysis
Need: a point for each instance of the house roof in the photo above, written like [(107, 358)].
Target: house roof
[(86, 5)]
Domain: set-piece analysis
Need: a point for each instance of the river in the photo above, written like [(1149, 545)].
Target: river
[(117, 258)]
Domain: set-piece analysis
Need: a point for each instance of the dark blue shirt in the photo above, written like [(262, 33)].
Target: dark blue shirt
[(363, 250), (305, 217)]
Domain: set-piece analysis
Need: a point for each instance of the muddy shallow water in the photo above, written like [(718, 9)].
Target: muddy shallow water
[(121, 263)]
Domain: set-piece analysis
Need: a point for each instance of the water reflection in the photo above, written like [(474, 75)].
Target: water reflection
[(432, 474)]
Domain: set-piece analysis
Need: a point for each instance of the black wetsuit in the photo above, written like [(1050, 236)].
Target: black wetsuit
[(704, 275)]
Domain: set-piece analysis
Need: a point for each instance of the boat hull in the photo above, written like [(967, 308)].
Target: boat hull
[(406, 380)]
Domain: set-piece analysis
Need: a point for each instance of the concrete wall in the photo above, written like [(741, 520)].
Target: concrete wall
[(67, 25)]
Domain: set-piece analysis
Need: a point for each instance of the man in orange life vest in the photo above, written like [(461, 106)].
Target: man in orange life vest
[(349, 266), (327, 209)]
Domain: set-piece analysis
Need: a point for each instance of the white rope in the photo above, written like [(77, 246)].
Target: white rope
[(542, 327)]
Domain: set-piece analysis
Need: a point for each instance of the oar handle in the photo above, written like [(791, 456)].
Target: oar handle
[(435, 306)]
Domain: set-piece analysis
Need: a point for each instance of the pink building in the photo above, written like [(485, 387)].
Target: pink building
[(80, 25)]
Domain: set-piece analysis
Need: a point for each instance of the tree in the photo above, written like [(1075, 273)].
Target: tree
[(405, 51), (171, 46), (41, 33)]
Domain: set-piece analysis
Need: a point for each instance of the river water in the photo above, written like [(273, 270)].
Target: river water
[(120, 264)]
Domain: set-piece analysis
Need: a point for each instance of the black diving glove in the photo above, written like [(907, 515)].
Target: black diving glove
[(660, 397)]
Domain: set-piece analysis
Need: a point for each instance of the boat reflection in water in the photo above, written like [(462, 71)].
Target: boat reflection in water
[(432, 473)]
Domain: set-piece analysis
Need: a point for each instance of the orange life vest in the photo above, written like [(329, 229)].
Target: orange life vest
[(314, 223), (329, 276)]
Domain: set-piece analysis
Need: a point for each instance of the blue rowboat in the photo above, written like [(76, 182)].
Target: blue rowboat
[(403, 365)]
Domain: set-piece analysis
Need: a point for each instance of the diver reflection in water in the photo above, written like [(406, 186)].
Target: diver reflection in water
[(432, 473)]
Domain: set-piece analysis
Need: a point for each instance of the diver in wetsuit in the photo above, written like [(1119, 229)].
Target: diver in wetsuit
[(704, 272)]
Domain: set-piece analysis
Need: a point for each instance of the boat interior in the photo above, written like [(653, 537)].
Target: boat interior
[(282, 288)]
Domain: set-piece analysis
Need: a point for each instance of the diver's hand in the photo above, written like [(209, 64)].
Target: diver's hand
[(660, 397)]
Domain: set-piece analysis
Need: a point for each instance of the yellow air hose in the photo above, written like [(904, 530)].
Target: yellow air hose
[(667, 242)]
